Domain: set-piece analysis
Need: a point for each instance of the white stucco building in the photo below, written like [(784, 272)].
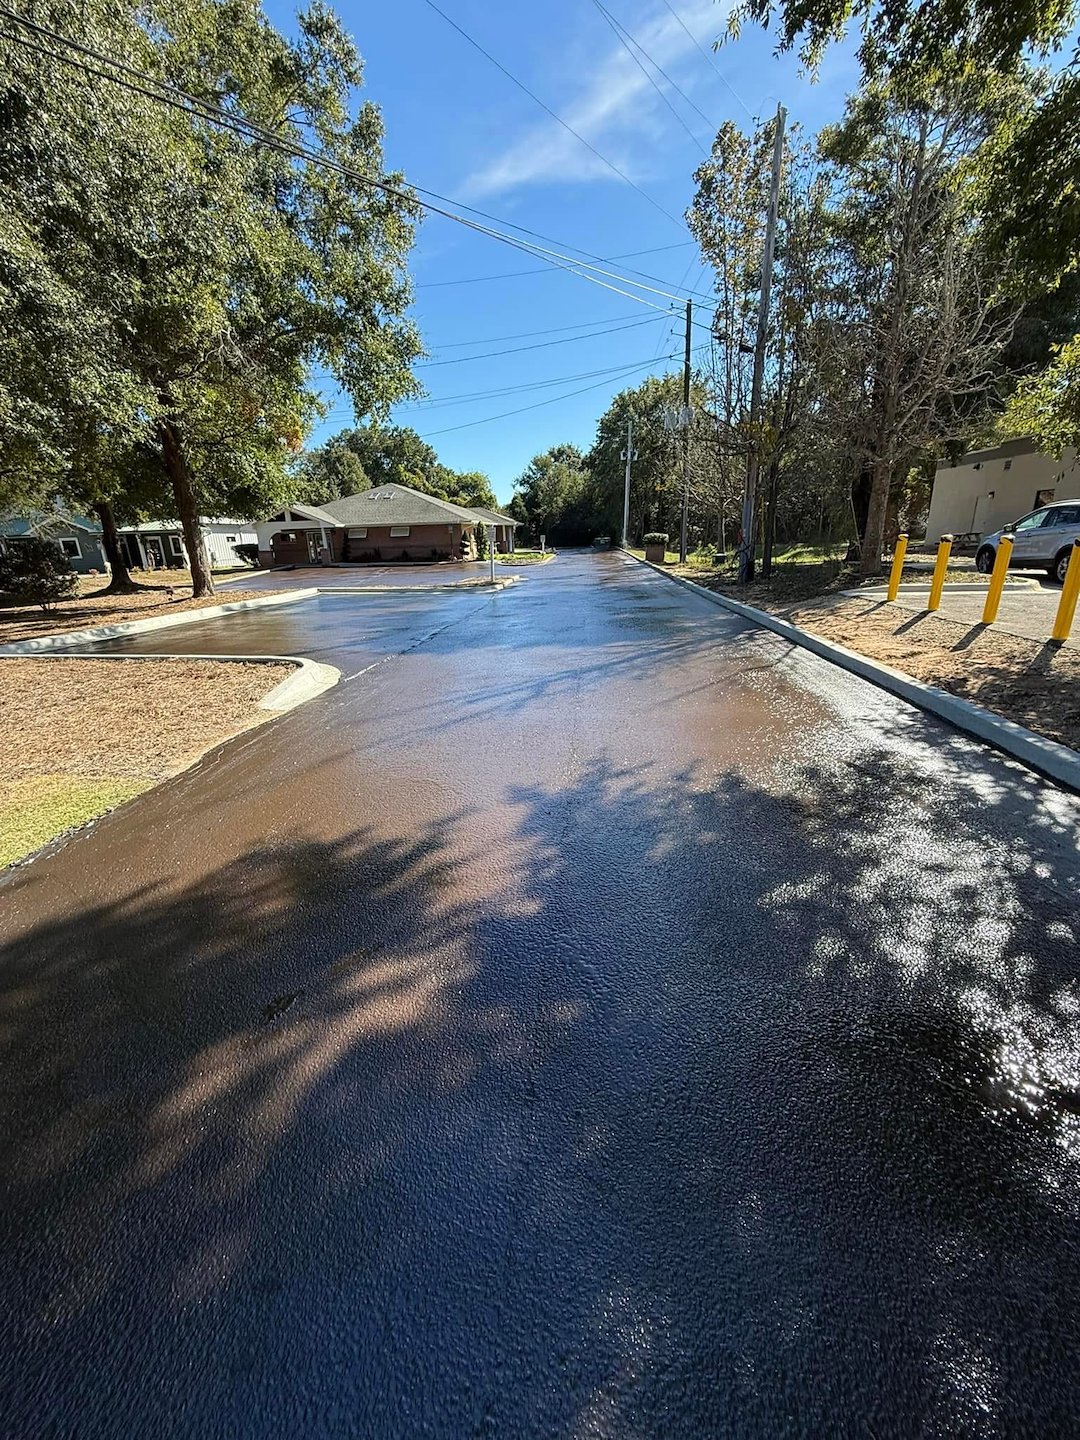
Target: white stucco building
[(991, 488)]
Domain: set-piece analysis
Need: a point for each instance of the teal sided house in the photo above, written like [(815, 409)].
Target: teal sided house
[(77, 537)]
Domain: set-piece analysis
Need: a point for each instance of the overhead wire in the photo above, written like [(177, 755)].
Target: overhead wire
[(543, 345), (554, 115), (529, 334), (711, 63), (472, 396), (171, 95), (546, 270), (469, 424), (625, 39), (165, 93)]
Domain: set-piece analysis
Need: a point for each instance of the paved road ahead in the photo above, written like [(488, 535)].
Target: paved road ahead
[(595, 1020)]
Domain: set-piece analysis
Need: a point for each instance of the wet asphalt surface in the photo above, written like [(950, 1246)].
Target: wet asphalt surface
[(592, 1018)]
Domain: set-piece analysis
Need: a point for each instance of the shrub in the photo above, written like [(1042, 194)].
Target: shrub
[(249, 554), (36, 572), (656, 537)]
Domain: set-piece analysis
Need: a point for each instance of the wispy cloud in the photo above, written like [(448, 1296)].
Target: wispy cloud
[(615, 109)]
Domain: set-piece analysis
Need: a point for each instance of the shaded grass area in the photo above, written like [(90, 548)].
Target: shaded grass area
[(35, 809)]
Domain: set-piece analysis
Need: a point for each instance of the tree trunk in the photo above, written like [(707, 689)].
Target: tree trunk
[(120, 582), (187, 509), (874, 534)]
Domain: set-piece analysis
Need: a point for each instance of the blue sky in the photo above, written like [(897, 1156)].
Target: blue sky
[(456, 125)]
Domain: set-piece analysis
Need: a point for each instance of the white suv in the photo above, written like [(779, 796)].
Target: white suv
[(1042, 540)]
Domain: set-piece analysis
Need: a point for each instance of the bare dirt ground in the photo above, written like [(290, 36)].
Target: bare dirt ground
[(1034, 684), (91, 606), (145, 718)]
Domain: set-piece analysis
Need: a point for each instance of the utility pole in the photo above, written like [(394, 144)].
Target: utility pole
[(746, 548), (686, 432), (629, 456)]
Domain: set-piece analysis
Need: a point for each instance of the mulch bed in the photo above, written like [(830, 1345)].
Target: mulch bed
[(145, 718), (93, 607)]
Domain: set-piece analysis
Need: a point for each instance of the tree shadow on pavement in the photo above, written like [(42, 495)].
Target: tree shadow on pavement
[(691, 1105)]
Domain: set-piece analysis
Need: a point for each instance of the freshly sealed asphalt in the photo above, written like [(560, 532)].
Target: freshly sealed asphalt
[(592, 1018)]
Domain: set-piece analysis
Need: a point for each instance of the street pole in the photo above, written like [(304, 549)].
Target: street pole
[(491, 550), (626, 482), (746, 547), (686, 431)]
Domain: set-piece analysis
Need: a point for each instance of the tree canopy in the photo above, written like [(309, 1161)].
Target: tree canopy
[(368, 455), (194, 280)]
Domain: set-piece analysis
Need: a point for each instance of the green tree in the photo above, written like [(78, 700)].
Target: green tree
[(549, 494), (916, 313), (330, 471), (1046, 407), (469, 488), (367, 455), (216, 273)]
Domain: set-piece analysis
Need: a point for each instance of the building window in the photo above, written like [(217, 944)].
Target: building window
[(71, 548), (1008, 464), (231, 539), (358, 532), (399, 532), (175, 547)]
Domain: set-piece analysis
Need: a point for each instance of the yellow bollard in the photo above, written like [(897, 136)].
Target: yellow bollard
[(1070, 592), (897, 565), (997, 580), (943, 549)]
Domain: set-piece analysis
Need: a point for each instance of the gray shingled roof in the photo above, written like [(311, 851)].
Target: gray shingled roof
[(494, 517), (396, 505), (314, 511)]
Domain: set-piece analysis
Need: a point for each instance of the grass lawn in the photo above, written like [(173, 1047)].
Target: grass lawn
[(525, 557), (37, 808)]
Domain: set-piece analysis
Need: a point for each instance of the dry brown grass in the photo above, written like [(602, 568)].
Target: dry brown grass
[(91, 606), (1036, 685), (144, 718)]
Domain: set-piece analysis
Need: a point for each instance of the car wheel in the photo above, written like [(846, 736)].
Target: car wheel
[(984, 560), (1060, 566)]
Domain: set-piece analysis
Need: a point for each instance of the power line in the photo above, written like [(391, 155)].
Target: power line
[(431, 434), (626, 39), (543, 345), (546, 269), (181, 100), (528, 334), (548, 111), (471, 396), (711, 63)]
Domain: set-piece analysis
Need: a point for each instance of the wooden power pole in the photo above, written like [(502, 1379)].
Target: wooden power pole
[(746, 547), (686, 431)]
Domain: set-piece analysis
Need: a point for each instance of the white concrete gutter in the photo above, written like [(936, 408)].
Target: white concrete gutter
[(68, 638), (1057, 762)]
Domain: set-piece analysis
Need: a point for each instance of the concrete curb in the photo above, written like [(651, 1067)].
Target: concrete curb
[(311, 677), (1055, 761), (68, 638), (966, 587)]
